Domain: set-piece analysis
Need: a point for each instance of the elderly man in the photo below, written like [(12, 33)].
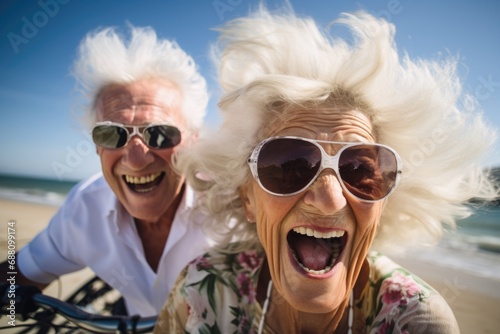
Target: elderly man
[(132, 224)]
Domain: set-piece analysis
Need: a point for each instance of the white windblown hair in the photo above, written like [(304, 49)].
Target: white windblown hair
[(271, 62), (105, 57)]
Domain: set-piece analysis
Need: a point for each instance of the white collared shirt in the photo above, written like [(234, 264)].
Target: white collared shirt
[(91, 229)]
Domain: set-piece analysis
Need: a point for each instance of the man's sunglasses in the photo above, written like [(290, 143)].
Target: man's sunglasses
[(285, 166), (116, 135)]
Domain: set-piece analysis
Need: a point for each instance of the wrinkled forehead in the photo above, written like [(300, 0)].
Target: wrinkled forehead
[(157, 95), (322, 121)]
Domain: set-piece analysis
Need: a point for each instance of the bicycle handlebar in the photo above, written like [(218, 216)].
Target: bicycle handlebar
[(29, 299)]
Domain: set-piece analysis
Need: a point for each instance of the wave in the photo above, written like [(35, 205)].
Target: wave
[(33, 196), (478, 255), (475, 242)]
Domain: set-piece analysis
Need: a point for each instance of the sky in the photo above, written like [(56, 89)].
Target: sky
[(39, 132)]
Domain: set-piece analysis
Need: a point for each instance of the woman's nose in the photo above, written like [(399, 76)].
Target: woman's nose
[(326, 193)]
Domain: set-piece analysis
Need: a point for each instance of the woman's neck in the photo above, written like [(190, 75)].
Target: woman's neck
[(283, 318)]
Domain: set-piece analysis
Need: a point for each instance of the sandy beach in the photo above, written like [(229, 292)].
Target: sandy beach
[(29, 219), (475, 300)]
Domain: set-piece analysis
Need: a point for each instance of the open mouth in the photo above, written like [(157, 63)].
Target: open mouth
[(316, 252), (143, 184)]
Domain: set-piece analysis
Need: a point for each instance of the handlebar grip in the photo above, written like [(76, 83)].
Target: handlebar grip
[(18, 298)]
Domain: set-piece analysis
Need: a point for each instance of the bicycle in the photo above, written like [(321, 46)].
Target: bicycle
[(87, 310)]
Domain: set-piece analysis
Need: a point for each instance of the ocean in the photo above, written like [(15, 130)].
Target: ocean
[(474, 248), (34, 190)]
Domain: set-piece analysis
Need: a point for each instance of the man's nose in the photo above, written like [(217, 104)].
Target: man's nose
[(137, 154)]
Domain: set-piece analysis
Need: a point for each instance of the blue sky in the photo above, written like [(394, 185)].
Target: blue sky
[(40, 135)]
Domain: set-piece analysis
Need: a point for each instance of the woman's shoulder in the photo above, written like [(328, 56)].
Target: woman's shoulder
[(226, 262), (382, 268), (391, 284), (214, 287), (395, 297)]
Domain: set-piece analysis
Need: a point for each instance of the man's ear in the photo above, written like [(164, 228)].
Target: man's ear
[(246, 195)]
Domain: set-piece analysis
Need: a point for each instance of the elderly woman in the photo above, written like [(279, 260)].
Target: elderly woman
[(327, 151)]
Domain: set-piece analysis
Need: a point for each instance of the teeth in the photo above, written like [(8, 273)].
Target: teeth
[(317, 234), (321, 235), (142, 179)]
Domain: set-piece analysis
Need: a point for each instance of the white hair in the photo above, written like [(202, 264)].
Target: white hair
[(105, 58), (270, 63)]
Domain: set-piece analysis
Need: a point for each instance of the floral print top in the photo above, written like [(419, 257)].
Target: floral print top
[(216, 293)]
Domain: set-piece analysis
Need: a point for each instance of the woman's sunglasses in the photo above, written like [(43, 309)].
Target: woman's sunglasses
[(285, 166), (116, 135)]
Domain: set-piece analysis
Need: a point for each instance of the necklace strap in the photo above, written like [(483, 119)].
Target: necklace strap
[(265, 307), (351, 312)]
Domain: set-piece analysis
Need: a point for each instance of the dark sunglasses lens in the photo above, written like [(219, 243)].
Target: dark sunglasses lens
[(287, 165), (162, 136), (109, 136), (368, 171)]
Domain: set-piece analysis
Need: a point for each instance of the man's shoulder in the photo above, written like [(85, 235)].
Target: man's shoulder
[(93, 190), (93, 184)]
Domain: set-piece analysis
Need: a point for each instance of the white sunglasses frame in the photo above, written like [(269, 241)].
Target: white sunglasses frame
[(134, 133), (327, 161)]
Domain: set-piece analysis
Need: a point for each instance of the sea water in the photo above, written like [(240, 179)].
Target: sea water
[(34, 190), (474, 247)]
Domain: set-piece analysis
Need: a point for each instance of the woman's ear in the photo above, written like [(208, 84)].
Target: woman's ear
[(246, 195)]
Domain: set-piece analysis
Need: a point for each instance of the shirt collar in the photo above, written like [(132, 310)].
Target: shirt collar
[(119, 217)]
